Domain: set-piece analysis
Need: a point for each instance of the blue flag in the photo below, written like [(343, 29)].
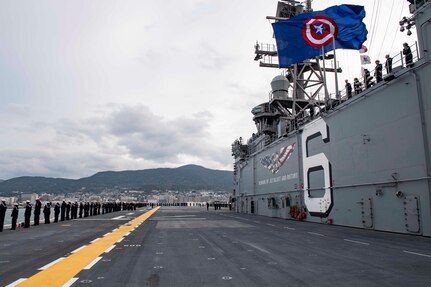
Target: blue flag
[(302, 37)]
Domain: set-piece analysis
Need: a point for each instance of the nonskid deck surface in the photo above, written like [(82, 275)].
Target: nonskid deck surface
[(196, 247)]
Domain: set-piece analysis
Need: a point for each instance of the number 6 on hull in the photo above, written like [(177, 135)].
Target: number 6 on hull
[(317, 206)]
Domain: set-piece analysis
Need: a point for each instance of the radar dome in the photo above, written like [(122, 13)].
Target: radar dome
[(280, 86)]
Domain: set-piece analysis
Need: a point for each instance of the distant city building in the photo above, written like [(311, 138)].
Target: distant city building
[(28, 196)]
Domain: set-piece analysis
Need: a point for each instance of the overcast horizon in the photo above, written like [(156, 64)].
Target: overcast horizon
[(90, 86)]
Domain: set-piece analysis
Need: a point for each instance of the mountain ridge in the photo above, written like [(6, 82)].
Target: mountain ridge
[(183, 178)]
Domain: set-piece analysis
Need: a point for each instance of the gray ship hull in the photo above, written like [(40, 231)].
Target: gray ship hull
[(365, 163)]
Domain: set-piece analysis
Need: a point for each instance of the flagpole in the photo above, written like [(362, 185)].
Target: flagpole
[(324, 75), (337, 93)]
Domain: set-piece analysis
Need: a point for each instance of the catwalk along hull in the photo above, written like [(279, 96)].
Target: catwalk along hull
[(365, 163)]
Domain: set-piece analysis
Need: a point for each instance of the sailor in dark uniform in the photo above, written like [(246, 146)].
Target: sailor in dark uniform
[(358, 86), (348, 89), (81, 209), (378, 71), (68, 210), (14, 216), (86, 208), (37, 208), (407, 54), (63, 210), (56, 211), (47, 212), (75, 210), (72, 210), (368, 83), (3, 208), (27, 214), (95, 209), (388, 64)]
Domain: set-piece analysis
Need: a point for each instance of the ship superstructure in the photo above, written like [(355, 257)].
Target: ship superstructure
[(361, 161)]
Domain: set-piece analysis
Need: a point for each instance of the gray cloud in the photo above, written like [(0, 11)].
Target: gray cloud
[(123, 137), (150, 137)]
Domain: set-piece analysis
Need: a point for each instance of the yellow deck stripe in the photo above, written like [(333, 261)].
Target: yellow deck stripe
[(61, 272)]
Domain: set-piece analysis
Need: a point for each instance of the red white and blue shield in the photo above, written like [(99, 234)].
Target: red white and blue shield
[(319, 31)]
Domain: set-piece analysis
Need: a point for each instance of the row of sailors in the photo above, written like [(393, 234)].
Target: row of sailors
[(65, 211), (378, 72)]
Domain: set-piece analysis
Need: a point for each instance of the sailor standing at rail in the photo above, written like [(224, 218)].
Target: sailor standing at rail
[(348, 89), (63, 210), (37, 208), (73, 209), (95, 209), (27, 214), (47, 212), (75, 215), (367, 79), (86, 207), (3, 208), (14, 216), (378, 71), (81, 209), (68, 210), (388, 64), (407, 54), (56, 211), (358, 86)]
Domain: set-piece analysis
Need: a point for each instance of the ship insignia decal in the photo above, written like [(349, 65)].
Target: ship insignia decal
[(274, 161)]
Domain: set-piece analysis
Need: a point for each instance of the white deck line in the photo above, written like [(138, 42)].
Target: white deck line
[(118, 217), (106, 234), (70, 282), (77, 249), (94, 240), (92, 263), (109, 249), (52, 263), (315, 233), (119, 240), (13, 284), (358, 242), (415, 253), (289, 228)]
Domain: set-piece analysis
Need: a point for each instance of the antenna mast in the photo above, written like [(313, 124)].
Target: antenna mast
[(308, 6), (306, 79)]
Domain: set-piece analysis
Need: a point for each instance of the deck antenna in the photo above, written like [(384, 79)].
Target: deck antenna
[(308, 6), (306, 79)]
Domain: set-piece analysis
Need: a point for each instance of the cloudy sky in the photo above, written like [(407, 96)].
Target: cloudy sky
[(96, 85)]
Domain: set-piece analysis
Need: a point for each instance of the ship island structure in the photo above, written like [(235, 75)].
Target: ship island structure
[(362, 161)]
